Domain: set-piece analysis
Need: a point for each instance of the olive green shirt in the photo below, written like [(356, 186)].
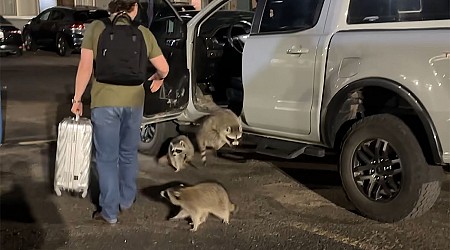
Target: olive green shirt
[(109, 95)]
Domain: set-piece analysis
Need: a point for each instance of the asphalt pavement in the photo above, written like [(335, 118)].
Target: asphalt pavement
[(296, 204)]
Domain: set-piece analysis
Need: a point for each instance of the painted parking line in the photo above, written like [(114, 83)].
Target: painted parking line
[(335, 236), (36, 142)]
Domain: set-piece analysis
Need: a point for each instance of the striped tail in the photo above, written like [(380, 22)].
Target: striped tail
[(233, 208), (203, 156)]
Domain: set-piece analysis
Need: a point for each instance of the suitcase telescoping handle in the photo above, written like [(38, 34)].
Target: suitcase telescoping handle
[(77, 117)]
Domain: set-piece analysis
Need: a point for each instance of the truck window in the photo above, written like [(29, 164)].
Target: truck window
[(290, 15), (406, 6), (381, 11)]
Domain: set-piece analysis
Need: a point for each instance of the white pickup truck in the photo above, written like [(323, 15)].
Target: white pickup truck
[(367, 79)]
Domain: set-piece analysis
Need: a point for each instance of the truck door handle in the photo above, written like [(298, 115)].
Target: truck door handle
[(173, 42), (297, 51)]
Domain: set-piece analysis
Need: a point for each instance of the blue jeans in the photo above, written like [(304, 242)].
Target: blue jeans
[(116, 139)]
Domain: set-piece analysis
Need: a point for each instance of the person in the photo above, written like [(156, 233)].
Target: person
[(256, 5), (116, 113)]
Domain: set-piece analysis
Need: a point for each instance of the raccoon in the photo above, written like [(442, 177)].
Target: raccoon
[(218, 129), (205, 101), (199, 200), (181, 152)]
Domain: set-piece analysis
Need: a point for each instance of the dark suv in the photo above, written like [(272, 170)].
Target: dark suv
[(10, 38), (60, 27)]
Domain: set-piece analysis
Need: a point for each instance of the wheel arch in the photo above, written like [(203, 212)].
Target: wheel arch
[(348, 105)]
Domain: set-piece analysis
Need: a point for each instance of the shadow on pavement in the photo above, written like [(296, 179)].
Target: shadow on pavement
[(154, 194), (14, 207), (19, 228), (24, 211), (94, 186), (320, 175)]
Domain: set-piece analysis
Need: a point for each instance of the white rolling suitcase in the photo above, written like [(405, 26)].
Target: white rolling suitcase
[(73, 155)]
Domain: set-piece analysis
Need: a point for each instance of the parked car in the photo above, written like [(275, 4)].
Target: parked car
[(10, 38), (367, 79), (60, 28)]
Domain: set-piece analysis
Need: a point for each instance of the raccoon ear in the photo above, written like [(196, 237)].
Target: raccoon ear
[(182, 143), (240, 128), (176, 194), (228, 129)]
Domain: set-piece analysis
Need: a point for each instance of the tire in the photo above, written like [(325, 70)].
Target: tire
[(18, 53), (29, 43), (160, 133), (62, 46), (400, 167)]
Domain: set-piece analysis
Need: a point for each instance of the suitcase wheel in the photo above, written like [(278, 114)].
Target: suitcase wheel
[(84, 194), (57, 191)]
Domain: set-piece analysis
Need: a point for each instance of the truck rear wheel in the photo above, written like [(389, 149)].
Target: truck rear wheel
[(154, 135), (384, 172)]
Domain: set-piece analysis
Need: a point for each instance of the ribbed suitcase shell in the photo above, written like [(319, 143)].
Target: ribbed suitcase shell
[(73, 155)]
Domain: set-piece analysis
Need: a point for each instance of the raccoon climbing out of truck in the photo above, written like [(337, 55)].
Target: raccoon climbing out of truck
[(219, 128)]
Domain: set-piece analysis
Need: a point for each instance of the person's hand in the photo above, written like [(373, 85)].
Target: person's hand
[(156, 82), (77, 108)]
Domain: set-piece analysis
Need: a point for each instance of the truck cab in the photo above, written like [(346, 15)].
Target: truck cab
[(367, 79)]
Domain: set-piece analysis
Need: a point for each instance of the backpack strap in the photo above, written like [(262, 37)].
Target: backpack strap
[(122, 14), (108, 26)]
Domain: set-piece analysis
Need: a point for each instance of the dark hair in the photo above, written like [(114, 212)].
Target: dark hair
[(121, 5)]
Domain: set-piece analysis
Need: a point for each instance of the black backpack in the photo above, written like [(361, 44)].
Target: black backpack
[(121, 53)]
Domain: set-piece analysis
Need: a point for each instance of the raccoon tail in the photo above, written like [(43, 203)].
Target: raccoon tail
[(202, 150), (233, 208), (203, 156)]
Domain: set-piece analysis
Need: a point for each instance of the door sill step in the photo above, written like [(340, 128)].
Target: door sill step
[(273, 147)]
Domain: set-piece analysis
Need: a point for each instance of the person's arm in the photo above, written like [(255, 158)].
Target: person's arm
[(159, 62), (85, 68), (82, 79), (162, 68)]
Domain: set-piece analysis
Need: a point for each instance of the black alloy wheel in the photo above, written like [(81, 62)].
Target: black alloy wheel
[(384, 172), (377, 170), (29, 43), (154, 136), (62, 47)]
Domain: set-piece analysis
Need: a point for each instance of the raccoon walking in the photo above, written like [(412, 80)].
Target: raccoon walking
[(218, 129), (198, 201), (180, 153)]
